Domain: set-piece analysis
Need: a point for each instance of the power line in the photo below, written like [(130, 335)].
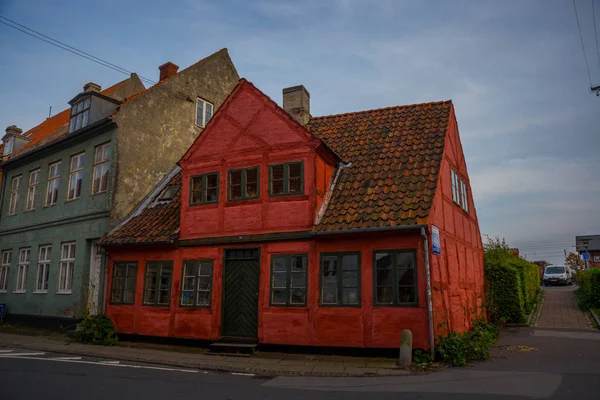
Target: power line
[(582, 46), (70, 49), (38, 35), (595, 32)]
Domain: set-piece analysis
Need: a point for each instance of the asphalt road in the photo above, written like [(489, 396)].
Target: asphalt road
[(33, 375)]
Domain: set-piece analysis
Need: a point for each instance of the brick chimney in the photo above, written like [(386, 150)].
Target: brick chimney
[(167, 70), (92, 87), (296, 102)]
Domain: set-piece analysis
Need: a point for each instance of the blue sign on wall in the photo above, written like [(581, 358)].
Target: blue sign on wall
[(586, 256), (2, 311), (436, 247)]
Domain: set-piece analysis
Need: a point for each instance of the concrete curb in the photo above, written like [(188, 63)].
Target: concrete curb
[(535, 316), (258, 372), (595, 317)]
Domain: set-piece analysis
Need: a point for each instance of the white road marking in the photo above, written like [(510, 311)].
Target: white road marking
[(16, 356), (65, 358), (108, 362), (21, 354), (241, 374), (6, 351)]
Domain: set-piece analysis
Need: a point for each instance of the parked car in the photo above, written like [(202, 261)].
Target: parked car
[(556, 275)]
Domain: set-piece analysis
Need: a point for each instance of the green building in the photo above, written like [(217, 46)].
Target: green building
[(67, 181)]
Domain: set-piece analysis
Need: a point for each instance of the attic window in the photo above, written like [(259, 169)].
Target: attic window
[(204, 111), (168, 193), (80, 114), (9, 146)]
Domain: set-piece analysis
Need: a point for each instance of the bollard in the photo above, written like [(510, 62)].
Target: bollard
[(405, 348)]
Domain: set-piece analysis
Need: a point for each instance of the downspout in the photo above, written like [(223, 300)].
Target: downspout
[(429, 302)]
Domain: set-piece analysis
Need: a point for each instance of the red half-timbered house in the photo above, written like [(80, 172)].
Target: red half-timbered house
[(283, 228)]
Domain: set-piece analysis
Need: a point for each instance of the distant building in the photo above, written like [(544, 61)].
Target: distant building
[(589, 244)]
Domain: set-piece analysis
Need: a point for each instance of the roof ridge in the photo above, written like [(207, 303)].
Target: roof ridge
[(381, 109)]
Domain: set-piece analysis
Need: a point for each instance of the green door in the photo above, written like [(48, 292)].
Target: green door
[(240, 293)]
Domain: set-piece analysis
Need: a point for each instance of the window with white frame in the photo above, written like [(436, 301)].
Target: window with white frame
[(15, 188), (34, 181), (76, 176), (43, 269), (22, 270), (67, 264), (5, 261), (196, 283), (459, 191), (204, 111), (463, 196), (80, 114), (101, 164), (53, 181), (455, 187)]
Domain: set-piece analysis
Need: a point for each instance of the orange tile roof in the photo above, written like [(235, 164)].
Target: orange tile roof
[(157, 223), (395, 155), (50, 129)]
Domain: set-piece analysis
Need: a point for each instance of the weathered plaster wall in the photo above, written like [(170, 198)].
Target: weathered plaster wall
[(364, 326), (457, 274), (156, 128)]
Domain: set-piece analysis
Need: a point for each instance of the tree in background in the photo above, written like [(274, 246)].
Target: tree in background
[(574, 261)]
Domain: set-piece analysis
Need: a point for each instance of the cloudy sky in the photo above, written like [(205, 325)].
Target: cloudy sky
[(514, 69)]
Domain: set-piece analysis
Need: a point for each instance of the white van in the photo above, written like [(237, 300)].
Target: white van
[(557, 275)]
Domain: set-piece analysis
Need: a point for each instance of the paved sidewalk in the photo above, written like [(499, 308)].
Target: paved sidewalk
[(560, 310), (273, 365)]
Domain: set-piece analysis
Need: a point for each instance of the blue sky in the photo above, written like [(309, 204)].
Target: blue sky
[(529, 125)]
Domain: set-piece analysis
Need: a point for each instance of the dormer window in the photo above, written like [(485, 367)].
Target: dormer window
[(80, 114), (9, 146)]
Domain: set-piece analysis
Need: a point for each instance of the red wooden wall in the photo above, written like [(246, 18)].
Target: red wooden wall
[(365, 326), (457, 274)]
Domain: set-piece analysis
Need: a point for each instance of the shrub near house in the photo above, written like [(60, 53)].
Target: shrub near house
[(512, 283)]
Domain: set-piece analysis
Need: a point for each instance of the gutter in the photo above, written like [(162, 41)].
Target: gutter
[(429, 302), (373, 229), (329, 193)]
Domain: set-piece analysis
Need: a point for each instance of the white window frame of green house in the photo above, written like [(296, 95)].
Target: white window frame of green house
[(34, 182), (22, 270), (389, 288), (204, 112), (5, 269), (289, 279), (336, 278), (157, 282), (15, 188), (101, 167), (463, 196), (75, 176), (196, 283), (53, 184), (80, 114), (67, 266), (43, 269)]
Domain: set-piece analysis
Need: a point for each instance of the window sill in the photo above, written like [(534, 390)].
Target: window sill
[(3, 291), (20, 291), (32, 210), (49, 205), (99, 193), (40, 291), (65, 292), (71, 200)]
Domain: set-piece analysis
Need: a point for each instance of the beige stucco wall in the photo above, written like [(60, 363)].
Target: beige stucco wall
[(156, 128)]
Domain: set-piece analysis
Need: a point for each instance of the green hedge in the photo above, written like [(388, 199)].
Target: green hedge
[(512, 285), (588, 293)]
